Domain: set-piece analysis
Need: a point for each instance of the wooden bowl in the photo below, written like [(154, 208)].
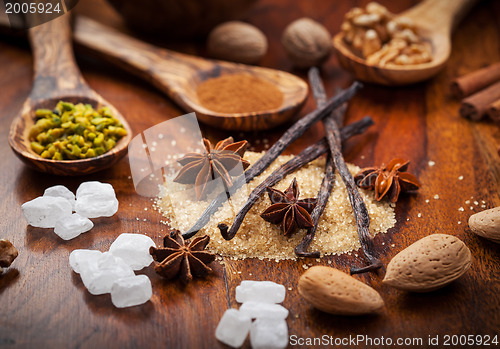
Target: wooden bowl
[(57, 78), (20, 143), (294, 91), (435, 20), (178, 19)]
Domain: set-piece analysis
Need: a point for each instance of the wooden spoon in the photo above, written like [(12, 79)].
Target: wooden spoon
[(435, 20), (56, 78), (179, 75)]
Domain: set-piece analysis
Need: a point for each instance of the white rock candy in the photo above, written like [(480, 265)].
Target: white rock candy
[(131, 291), (268, 333), (69, 227), (80, 259), (93, 207), (233, 328), (133, 249), (95, 199), (260, 291), (92, 188), (257, 310), (99, 277), (45, 211), (62, 192)]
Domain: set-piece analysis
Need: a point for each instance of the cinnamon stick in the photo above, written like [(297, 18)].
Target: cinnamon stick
[(476, 106), (494, 111), (470, 83)]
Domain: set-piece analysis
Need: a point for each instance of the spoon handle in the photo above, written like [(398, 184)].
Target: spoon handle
[(56, 73), (169, 71), (440, 15)]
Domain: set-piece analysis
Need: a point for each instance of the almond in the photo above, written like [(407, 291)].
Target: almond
[(430, 263), (487, 224), (335, 292)]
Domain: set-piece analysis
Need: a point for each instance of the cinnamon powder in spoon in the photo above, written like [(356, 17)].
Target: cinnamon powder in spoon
[(239, 93)]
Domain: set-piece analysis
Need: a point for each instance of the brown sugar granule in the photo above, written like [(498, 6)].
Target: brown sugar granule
[(239, 93), (257, 238)]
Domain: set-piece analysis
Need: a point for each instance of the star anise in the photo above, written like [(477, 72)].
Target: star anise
[(201, 169), (184, 259), (288, 210), (388, 181)]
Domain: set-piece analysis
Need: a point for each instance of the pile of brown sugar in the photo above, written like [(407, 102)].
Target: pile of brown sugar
[(239, 93), (257, 238)]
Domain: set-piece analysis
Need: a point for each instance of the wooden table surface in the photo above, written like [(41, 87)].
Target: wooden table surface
[(45, 305)]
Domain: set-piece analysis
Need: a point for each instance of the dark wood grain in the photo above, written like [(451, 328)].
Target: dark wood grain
[(44, 304)]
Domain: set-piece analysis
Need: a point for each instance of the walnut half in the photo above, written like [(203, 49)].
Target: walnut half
[(382, 39), (7, 254)]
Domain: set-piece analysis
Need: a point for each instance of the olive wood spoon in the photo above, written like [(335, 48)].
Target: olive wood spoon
[(435, 20), (56, 77), (178, 75)]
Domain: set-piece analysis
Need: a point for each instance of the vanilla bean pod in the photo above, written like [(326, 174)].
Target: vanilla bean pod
[(358, 205), (321, 202), (292, 134), (307, 155), (326, 187)]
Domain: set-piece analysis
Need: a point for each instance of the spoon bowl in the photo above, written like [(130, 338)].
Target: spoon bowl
[(294, 92), (58, 78), (20, 143), (435, 20), (179, 75)]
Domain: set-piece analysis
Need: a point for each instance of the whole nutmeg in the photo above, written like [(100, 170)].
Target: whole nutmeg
[(237, 42), (307, 42)]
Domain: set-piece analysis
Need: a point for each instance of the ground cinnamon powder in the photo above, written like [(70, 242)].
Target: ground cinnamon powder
[(239, 93)]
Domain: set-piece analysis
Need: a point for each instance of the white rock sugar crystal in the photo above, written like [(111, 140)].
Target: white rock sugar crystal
[(62, 192), (95, 199), (99, 277), (44, 211), (93, 188), (108, 273), (260, 291), (80, 259), (133, 249), (233, 328), (69, 227), (268, 333), (130, 291), (257, 310), (95, 207)]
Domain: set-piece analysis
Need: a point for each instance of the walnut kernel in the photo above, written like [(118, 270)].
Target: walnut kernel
[(374, 7), (383, 39), (7, 254), (372, 43)]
